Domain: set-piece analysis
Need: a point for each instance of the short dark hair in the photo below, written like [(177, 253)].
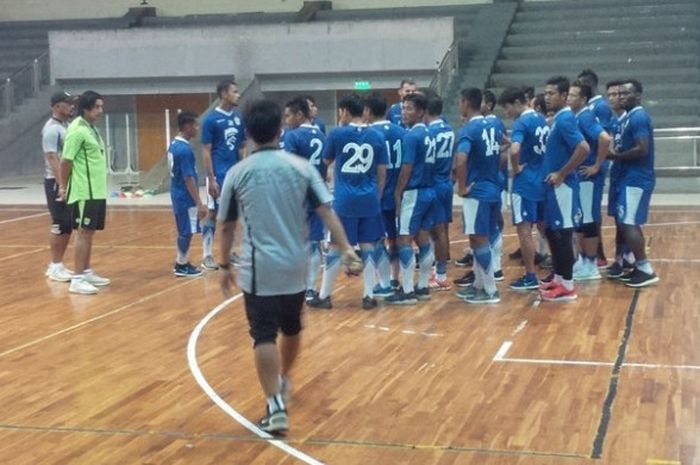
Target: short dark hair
[(376, 102), (353, 104), (586, 90), (223, 86), (473, 96), (263, 119), (614, 83), (434, 105), (529, 92), (419, 101), (511, 95), (407, 81), (184, 118), (635, 84), (540, 105), (87, 101), (299, 104), (588, 76), (489, 98), (561, 83)]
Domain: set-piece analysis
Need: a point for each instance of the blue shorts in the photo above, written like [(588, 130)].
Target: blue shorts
[(612, 191), (443, 193), (363, 230), (418, 208), (481, 218), (633, 205), (591, 198), (315, 224), (389, 217), (186, 220), (525, 210), (562, 209)]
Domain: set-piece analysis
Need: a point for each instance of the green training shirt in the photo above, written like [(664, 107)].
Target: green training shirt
[(85, 148)]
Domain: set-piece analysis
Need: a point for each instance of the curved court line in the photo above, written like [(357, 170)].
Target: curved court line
[(221, 403)]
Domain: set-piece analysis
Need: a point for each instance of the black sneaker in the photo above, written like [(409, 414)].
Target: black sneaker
[(310, 295), (395, 284), (466, 280), (614, 271), (498, 275), (466, 261), (639, 278), (422, 293), (318, 302), (628, 265), (547, 263), (626, 276), (368, 303), (547, 279), (275, 423), (540, 258), (401, 298), (517, 255)]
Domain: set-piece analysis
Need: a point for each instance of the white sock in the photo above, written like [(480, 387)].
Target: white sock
[(489, 280), (314, 265), (368, 272), (275, 403), (568, 284), (330, 273), (383, 267), (426, 268), (407, 275), (496, 253), (478, 276), (207, 242)]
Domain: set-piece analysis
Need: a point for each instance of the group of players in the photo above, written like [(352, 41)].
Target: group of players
[(395, 173)]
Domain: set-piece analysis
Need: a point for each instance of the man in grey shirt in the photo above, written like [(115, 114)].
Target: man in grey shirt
[(270, 191), (52, 136)]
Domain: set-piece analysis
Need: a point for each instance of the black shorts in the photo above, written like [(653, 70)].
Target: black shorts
[(89, 214), (269, 314), (61, 219)]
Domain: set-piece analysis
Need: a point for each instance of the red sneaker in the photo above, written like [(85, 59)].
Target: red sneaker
[(437, 285), (558, 293), (547, 282), (602, 263)]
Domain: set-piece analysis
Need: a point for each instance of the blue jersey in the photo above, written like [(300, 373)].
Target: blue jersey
[(504, 168), (182, 165), (602, 111), (357, 151), (394, 115), (393, 137), (419, 151), (480, 139), (318, 122), (444, 138), (636, 126), (616, 134), (591, 129), (530, 130), (561, 143), (306, 141), (225, 132)]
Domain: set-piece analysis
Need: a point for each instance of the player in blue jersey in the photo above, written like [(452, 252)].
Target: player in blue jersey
[(360, 160), (624, 258), (591, 182), (566, 149), (407, 87), (415, 201), (528, 141), (313, 113), (387, 255), (223, 144), (477, 167), (184, 192), (306, 140), (444, 140), (637, 180)]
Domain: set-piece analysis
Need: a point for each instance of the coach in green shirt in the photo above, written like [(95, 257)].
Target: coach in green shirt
[(83, 184)]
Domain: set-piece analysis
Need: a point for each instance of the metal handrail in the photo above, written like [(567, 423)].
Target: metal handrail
[(24, 83), (446, 70)]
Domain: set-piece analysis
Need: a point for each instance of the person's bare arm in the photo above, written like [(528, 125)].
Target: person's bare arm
[(603, 148), (209, 168), (580, 154), (66, 167)]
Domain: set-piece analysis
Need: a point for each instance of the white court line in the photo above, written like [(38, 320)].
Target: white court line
[(21, 254), (12, 220), (214, 396)]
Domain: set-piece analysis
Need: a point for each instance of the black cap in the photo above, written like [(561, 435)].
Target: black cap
[(59, 97)]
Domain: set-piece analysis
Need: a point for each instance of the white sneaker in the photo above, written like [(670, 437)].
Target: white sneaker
[(96, 280), (587, 273), (59, 273), (81, 286)]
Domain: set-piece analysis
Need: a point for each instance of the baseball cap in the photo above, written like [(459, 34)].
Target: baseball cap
[(59, 97)]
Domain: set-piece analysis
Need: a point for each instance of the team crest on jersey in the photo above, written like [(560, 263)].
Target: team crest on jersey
[(86, 221), (578, 217), (237, 121), (229, 122)]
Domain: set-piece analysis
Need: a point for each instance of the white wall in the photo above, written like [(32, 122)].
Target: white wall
[(23, 10)]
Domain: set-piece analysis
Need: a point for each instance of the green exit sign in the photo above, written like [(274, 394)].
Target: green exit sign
[(363, 85)]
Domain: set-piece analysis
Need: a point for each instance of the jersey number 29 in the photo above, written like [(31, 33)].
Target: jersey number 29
[(361, 158)]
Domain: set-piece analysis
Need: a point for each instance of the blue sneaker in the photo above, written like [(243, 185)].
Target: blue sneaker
[(380, 291), (186, 271), (524, 284)]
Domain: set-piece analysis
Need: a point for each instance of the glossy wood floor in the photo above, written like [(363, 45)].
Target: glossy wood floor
[(105, 379)]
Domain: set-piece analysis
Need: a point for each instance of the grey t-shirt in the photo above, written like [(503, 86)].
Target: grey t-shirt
[(52, 136), (270, 191)]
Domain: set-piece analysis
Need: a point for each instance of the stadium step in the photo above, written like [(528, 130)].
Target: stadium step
[(593, 6), (609, 63), (573, 38), (604, 24), (649, 76)]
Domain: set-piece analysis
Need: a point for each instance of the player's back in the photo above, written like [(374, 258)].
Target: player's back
[(225, 132), (308, 142), (601, 109), (181, 160), (530, 130), (590, 128), (484, 158), (638, 125), (419, 151), (563, 138), (444, 138), (393, 141)]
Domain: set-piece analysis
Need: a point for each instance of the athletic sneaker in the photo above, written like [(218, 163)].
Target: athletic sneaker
[(422, 293), (483, 297), (517, 255), (274, 423), (318, 302), (437, 285), (96, 280), (209, 263), (466, 261), (310, 295), (640, 278), (614, 271), (548, 282), (587, 273), (401, 298), (467, 293), (558, 293), (466, 280), (546, 263), (368, 303), (380, 291), (395, 284), (80, 286), (601, 263), (498, 275), (186, 271), (59, 273), (524, 284), (626, 276)]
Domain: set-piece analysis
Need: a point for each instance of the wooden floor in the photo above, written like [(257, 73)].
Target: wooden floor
[(613, 378)]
